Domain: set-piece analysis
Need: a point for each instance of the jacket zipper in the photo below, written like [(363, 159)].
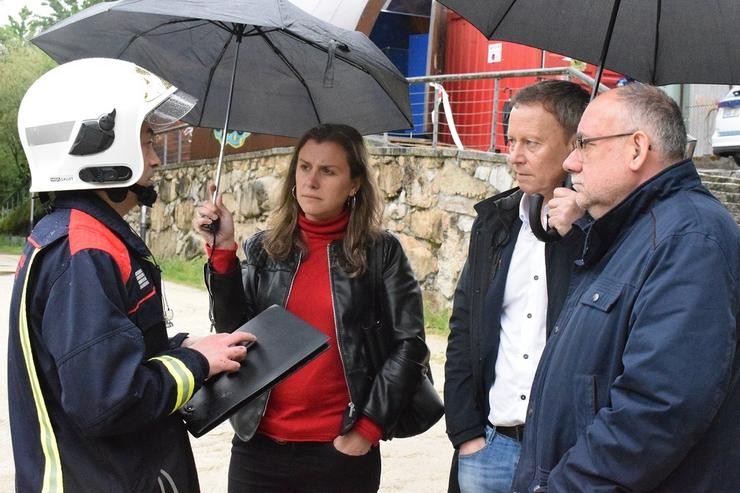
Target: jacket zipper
[(285, 305), (292, 280), (351, 405)]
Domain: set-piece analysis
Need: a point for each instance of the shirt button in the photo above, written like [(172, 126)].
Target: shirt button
[(595, 297), (523, 397), (536, 278), (529, 315), (556, 329), (526, 356)]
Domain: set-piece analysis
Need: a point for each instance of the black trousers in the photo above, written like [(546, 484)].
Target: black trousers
[(263, 465)]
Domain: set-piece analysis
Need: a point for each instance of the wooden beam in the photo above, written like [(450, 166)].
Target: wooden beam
[(369, 16)]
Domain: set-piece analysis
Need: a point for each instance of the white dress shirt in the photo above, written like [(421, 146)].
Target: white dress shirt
[(523, 317)]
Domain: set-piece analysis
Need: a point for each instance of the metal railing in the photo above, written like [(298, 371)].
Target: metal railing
[(465, 111), (470, 110), (14, 200)]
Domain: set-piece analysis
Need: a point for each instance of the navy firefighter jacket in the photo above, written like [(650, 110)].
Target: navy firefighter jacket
[(94, 382)]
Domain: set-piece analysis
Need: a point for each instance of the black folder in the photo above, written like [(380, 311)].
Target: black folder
[(284, 344)]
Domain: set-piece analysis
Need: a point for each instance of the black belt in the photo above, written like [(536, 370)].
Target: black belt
[(515, 432)]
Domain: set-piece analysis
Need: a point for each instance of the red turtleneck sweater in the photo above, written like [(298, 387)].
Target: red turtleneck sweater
[(308, 405)]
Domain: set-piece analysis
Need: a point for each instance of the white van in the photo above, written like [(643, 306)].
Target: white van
[(726, 136)]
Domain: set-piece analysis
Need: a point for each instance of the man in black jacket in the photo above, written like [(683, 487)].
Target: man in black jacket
[(510, 292)]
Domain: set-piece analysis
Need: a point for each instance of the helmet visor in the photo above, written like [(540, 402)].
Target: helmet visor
[(170, 110)]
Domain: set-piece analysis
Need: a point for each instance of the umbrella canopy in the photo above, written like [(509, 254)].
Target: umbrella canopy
[(654, 41), (289, 70)]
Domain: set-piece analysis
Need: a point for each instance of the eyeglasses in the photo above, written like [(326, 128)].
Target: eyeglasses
[(580, 143)]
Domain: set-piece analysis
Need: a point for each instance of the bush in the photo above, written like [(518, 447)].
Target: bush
[(15, 223), (12, 245), (181, 271)]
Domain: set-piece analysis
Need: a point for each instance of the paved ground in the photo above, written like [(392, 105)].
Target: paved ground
[(412, 465)]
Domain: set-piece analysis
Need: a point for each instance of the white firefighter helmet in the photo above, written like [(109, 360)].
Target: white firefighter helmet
[(80, 123)]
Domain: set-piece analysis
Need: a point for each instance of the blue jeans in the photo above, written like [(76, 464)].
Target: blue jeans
[(491, 469)]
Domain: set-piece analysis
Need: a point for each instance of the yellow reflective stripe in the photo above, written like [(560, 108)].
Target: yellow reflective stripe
[(182, 376), (52, 482)]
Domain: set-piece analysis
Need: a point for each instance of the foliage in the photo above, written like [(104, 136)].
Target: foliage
[(19, 28), (437, 322), (11, 245), (61, 9), (16, 221), (20, 65), (188, 272)]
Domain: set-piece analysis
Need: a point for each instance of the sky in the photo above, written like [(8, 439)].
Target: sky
[(11, 7)]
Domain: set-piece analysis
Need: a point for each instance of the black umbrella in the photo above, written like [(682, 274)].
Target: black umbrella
[(655, 41), (285, 70)]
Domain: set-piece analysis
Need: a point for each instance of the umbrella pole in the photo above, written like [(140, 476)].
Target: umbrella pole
[(605, 48), (535, 206), (239, 33)]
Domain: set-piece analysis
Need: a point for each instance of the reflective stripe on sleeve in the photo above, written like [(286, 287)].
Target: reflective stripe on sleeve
[(52, 482), (183, 377)]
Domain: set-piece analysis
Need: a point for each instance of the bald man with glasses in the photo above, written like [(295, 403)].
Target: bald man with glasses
[(638, 388)]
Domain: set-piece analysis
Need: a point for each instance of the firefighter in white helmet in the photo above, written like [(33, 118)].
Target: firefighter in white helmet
[(95, 380)]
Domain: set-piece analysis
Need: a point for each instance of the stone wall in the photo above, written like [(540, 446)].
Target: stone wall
[(429, 197)]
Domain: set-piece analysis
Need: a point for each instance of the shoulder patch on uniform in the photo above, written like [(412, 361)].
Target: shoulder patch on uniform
[(21, 263), (86, 232), (141, 279)]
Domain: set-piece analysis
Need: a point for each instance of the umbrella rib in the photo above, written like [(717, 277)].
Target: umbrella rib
[(210, 77), (351, 63), (147, 32), (348, 62), (298, 76), (501, 17), (655, 44), (233, 28)]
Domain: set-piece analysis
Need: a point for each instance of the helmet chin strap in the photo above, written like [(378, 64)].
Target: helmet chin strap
[(144, 195)]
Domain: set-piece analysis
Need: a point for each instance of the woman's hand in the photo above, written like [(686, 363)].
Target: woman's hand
[(352, 444), (208, 212)]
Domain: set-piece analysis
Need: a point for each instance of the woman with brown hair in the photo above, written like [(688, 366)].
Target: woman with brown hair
[(319, 429)]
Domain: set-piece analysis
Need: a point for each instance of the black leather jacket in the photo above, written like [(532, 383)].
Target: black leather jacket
[(240, 295)]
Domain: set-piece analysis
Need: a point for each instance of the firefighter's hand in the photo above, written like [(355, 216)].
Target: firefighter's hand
[(224, 352)]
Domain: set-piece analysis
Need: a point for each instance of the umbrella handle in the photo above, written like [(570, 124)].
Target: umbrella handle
[(535, 220), (535, 216), (212, 227)]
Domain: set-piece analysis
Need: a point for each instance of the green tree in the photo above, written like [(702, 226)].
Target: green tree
[(61, 9), (20, 65), (19, 28)]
